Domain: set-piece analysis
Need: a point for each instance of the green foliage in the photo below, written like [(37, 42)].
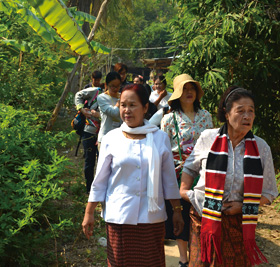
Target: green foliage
[(142, 25), (221, 43), (30, 179)]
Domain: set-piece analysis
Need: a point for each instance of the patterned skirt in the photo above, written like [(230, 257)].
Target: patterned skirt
[(135, 245), (232, 247)]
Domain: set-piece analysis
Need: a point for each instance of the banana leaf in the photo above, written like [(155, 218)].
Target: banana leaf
[(99, 48), (35, 23), (56, 14)]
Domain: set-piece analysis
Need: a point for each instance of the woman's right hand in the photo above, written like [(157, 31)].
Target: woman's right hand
[(86, 112), (88, 224)]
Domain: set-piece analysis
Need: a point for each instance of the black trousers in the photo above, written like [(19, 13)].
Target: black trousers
[(90, 151)]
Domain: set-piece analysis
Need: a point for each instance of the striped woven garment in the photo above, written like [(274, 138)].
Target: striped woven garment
[(216, 168)]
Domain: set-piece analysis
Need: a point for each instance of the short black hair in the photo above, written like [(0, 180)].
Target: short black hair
[(113, 75), (96, 74)]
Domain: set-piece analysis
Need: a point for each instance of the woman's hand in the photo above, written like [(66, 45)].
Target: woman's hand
[(232, 208), (178, 222), (162, 94), (86, 112), (88, 224), (95, 113)]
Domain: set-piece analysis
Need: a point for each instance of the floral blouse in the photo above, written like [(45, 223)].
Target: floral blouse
[(189, 131)]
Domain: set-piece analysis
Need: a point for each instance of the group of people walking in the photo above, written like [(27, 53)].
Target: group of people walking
[(187, 181)]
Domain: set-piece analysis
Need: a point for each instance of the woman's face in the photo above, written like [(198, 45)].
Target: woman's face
[(131, 110), (136, 80), (159, 85), (189, 94), (114, 87), (241, 116)]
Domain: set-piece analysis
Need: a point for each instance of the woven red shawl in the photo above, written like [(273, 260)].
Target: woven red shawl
[(216, 168)]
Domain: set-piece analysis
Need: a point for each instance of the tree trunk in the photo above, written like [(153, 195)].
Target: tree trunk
[(76, 66)]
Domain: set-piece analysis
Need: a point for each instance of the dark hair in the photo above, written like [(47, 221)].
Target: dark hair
[(232, 94), (112, 76), (119, 67), (161, 78), (96, 75), (139, 77), (176, 105), (140, 90)]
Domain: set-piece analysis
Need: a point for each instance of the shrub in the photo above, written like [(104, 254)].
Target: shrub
[(30, 172)]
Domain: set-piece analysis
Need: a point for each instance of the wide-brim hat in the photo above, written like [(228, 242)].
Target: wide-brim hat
[(178, 85)]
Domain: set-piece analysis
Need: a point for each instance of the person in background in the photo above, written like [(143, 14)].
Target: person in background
[(236, 177), (109, 105), (96, 77), (134, 175), (89, 136), (160, 96), (138, 79), (184, 124), (122, 69)]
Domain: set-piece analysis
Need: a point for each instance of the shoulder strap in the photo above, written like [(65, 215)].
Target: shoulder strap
[(88, 103), (177, 135), (94, 97)]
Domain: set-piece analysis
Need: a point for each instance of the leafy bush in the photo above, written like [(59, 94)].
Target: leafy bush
[(30, 181)]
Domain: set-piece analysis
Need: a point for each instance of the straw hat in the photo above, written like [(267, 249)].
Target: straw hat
[(178, 85)]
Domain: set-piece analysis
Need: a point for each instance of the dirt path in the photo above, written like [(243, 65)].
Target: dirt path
[(171, 254)]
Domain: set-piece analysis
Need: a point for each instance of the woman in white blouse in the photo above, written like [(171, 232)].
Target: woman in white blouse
[(134, 176), (236, 176), (183, 126)]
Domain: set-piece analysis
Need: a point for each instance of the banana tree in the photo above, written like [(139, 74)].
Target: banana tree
[(53, 15), (63, 24), (71, 75)]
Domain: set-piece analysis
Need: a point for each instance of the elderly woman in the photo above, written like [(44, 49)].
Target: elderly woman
[(236, 176), (134, 176), (184, 124)]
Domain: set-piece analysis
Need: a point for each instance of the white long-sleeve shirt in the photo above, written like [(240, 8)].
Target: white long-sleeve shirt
[(121, 177), (234, 183), (110, 115)]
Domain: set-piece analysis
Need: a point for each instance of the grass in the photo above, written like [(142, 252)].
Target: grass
[(72, 248)]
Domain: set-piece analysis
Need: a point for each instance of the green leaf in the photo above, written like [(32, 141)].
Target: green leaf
[(19, 46), (82, 16), (99, 48), (56, 14), (35, 23)]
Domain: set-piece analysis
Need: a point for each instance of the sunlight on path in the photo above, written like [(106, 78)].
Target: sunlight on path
[(171, 253)]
